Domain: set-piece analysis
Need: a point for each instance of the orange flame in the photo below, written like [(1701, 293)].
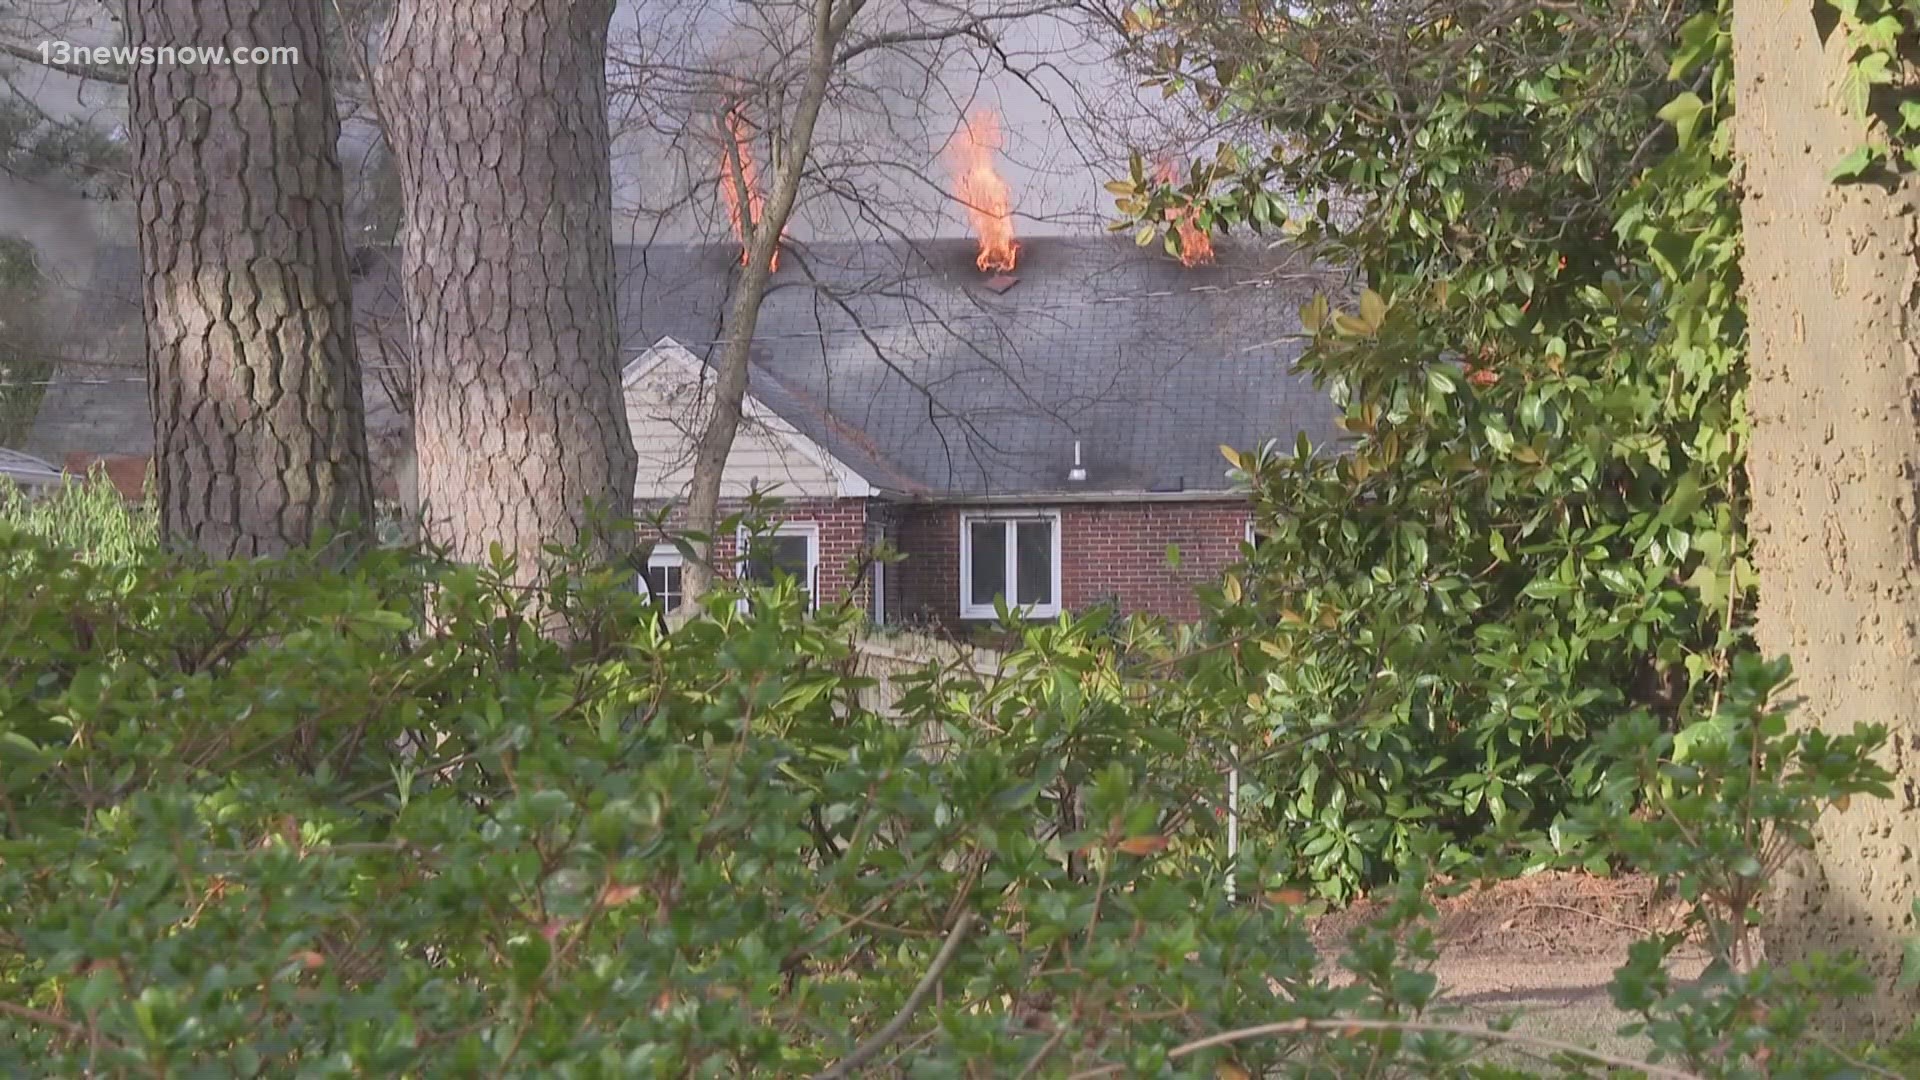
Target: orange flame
[(1196, 247), (986, 197), (739, 147)]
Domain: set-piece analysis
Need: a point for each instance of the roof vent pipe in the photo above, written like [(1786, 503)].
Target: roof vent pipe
[(1077, 474)]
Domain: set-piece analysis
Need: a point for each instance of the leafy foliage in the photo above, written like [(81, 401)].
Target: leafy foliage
[(1536, 524), (1876, 89), (23, 364), (90, 519), (280, 818), (298, 818)]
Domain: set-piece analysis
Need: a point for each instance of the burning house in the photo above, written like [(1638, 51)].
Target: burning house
[(1033, 419)]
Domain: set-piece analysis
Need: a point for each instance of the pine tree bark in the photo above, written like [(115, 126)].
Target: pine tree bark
[(496, 114), (259, 432), (1833, 288)]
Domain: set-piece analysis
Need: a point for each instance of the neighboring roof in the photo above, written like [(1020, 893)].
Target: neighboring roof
[(904, 364), (27, 471)]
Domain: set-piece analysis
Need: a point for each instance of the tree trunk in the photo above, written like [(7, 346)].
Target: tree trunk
[(743, 314), (259, 433), (1831, 293), (496, 114)]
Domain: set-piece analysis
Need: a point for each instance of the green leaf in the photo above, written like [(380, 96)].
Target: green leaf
[(1683, 112), (530, 954), (1373, 310), (1313, 314), (1854, 164)]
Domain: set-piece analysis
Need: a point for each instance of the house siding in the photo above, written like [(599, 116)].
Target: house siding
[(664, 408), (1112, 553)]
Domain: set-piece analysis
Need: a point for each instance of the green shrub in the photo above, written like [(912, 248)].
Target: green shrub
[(90, 519), (276, 818), (286, 818), (1535, 526)]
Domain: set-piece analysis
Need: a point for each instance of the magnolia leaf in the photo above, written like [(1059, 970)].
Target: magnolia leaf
[(1352, 327), (1142, 845), (1119, 187), (1230, 1071), (1313, 314), (615, 895), (1373, 309), (1232, 456)]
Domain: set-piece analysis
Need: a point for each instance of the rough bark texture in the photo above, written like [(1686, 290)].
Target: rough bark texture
[(496, 113), (1835, 405), (259, 434)]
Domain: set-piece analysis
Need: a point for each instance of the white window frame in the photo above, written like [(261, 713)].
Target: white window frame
[(970, 610), (664, 556), (809, 529)]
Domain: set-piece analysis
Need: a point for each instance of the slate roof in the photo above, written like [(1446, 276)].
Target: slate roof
[(900, 359)]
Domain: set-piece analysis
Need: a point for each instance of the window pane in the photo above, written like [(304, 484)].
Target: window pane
[(1033, 555), (988, 561), (790, 554), (780, 554), (663, 583)]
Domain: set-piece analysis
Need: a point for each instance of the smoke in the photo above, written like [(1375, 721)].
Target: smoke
[(64, 229), (878, 170)]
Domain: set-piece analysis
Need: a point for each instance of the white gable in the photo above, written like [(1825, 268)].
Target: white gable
[(667, 405)]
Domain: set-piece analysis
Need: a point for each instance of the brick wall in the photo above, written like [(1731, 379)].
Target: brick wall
[(1111, 552), (128, 473), (843, 528)]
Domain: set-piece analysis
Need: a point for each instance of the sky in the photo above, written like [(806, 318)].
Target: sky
[(881, 146)]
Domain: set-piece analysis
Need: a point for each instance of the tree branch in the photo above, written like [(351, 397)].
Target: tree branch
[(870, 1049), (114, 76), (1339, 1026)]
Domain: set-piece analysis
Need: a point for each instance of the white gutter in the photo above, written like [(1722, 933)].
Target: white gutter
[(1082, 496)]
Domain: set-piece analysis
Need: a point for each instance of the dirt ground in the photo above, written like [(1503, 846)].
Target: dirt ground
[(1545, 945)]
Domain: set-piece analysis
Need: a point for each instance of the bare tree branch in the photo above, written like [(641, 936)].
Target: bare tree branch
[(93, 72)]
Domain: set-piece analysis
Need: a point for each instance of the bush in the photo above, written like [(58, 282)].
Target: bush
[(89, 519), (283, 818), (273, 818)]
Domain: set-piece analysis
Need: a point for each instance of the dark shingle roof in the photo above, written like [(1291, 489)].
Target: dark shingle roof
[(901, 362), (899, 352)]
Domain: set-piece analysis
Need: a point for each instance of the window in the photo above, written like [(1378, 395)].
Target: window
[(663, 577), (1014, 555), (791, 549)]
